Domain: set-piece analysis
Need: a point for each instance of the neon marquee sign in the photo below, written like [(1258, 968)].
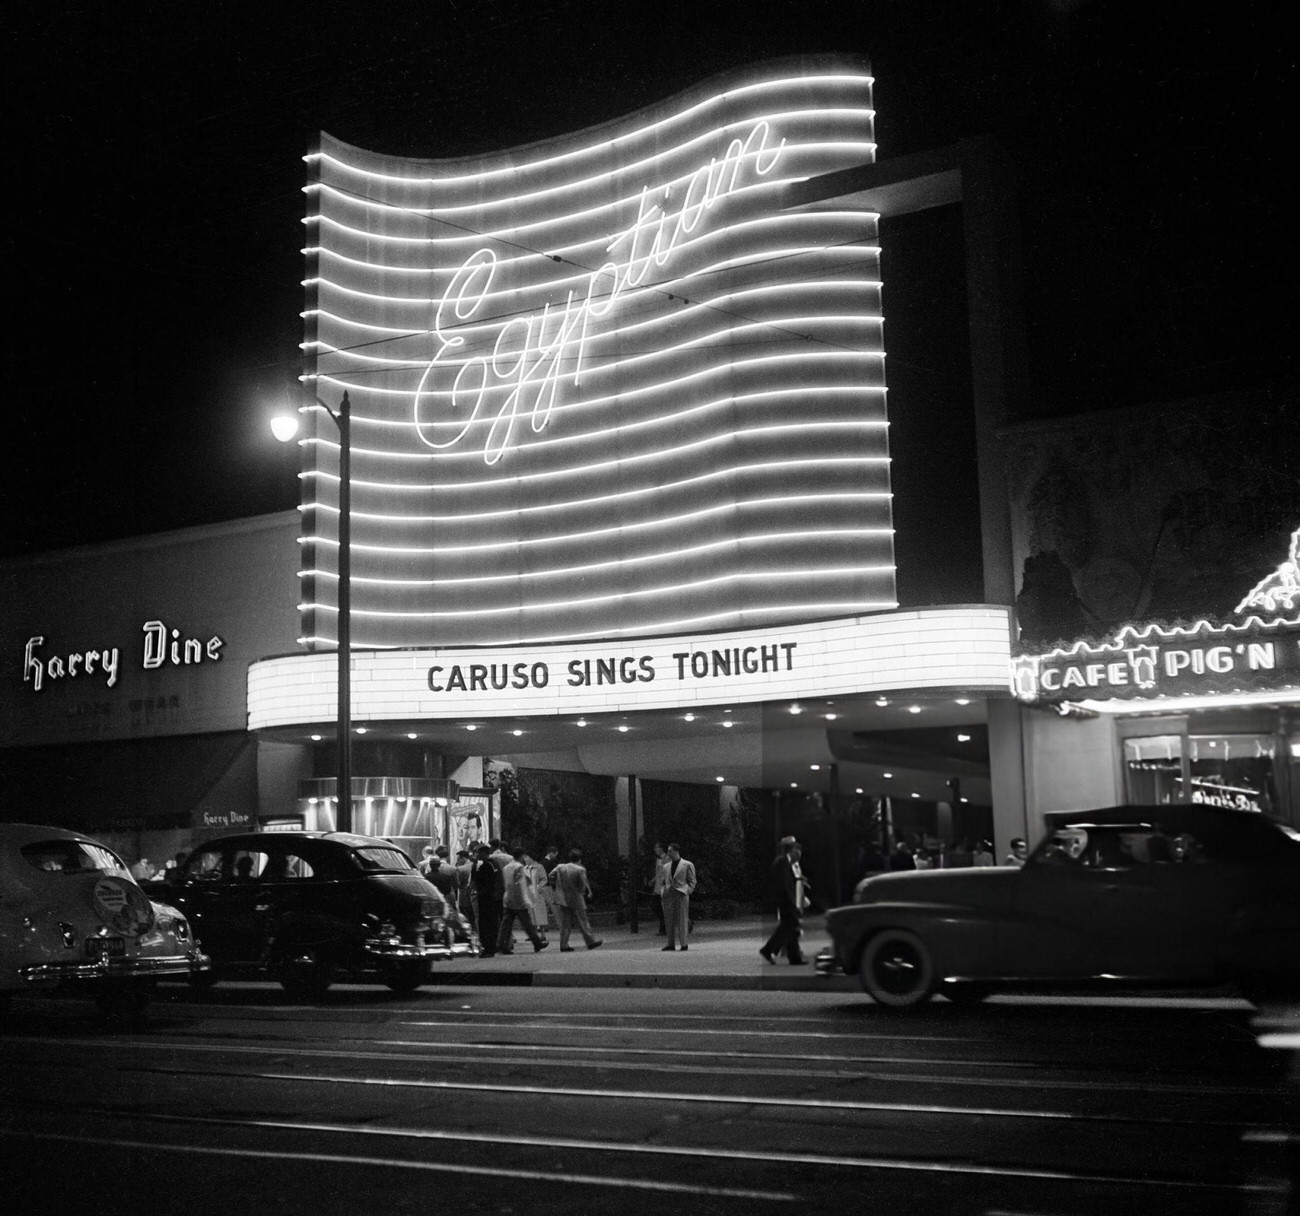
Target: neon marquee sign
[(608, 385), (1153, 661), (533, 355)]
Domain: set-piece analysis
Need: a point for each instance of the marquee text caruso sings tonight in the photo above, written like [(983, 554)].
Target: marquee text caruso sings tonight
[(625, 669)]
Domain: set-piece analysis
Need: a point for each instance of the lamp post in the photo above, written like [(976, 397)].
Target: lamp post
[(285, 428)]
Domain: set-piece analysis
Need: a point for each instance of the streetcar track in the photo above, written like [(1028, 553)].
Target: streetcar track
[(497, 1138), (492, 1172), (843, 1106), (585, 1053)]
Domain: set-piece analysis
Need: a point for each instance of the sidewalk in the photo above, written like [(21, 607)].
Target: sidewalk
[(722, 954)]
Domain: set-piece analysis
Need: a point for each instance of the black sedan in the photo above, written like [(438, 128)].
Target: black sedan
[(1129, 894)]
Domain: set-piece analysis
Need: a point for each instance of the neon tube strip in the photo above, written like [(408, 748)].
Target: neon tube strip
[(604, 385)]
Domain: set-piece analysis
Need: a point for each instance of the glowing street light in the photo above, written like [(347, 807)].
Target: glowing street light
[(284, 427)]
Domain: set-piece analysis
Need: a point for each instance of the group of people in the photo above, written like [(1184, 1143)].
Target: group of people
[(497, 889)]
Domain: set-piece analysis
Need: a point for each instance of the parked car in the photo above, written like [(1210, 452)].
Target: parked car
[(72, 916), (1129, 894), (311, 907)]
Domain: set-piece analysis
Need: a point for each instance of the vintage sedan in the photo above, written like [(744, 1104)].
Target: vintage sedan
[(72, 917), (307, 908), (1130, 894)]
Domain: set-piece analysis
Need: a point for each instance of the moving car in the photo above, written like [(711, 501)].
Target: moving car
[(1130, 894), (72, 916), (311, 907)]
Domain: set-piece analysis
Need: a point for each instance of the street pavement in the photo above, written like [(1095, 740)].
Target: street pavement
[(721, 954)]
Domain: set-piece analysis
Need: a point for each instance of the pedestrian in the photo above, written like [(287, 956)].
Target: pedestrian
[(518, 902), (500, 854), (677, 898), (427, 860), (1019, 851), (659, 883), (983, 854), (465, 888), (901, 858), (488, 891), (443, 874), (792, 892), (540, 891), (572, 891), (550, 860)]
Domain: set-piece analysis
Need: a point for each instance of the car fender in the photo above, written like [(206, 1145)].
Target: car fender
[(961, 938)]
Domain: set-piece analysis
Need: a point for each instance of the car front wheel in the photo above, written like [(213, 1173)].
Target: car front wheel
[(305, 970), (897, 969), (407, 976)]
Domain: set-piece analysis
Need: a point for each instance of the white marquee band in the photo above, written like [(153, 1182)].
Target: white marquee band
[(929, 650)]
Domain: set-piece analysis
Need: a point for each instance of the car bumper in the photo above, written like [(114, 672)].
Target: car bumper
[(827, 963), (88, 970), (385, 951)]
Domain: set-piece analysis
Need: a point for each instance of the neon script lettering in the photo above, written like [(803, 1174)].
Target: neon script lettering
[(532, 356), (57, 667)]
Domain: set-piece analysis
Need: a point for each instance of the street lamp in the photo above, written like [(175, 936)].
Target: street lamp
[(284, 427)]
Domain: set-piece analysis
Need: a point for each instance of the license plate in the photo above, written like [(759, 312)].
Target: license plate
[(105, 947)]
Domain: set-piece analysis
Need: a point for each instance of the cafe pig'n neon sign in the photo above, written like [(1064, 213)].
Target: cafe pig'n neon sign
[(1152, 660)]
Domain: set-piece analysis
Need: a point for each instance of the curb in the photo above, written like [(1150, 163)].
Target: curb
[(773, 981)]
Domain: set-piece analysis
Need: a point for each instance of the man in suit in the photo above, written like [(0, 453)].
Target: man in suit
[(791, 891), (489, 888), (571, 894), (677, 897), (518, 904)]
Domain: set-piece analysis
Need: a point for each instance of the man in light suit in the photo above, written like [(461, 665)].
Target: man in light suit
[(571, 894), (677, 897)]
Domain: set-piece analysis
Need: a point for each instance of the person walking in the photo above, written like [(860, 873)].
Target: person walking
[(572, 891), (659, 883), (791, 890), (677, 898), (1019, 852), (546, 885), (465, 888), (518, 901), (488, 892), (540, 888)]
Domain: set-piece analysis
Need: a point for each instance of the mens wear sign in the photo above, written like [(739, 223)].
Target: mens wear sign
[(608, 385), (937, 649)]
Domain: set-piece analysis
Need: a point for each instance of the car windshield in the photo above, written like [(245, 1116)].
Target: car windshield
[(73, 857), (376, 857), (1117, 846)]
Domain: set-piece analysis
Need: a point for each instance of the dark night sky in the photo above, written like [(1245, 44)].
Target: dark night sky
[(154, 168)]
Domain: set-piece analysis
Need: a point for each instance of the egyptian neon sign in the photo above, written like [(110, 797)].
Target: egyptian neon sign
[(532, 356), (607, 385)]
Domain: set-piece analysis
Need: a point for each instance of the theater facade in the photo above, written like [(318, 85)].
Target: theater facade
[(620, 503)]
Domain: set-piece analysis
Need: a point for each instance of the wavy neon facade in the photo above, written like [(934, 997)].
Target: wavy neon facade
[(606, 385)]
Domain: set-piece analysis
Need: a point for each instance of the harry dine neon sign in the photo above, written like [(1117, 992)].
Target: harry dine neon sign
[(526, 358)]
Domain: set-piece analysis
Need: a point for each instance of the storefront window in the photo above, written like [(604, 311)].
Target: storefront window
[(1233, 771)]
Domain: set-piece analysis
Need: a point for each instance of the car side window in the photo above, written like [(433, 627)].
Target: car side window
[(248, 864), (296, 866), (205, 865)]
